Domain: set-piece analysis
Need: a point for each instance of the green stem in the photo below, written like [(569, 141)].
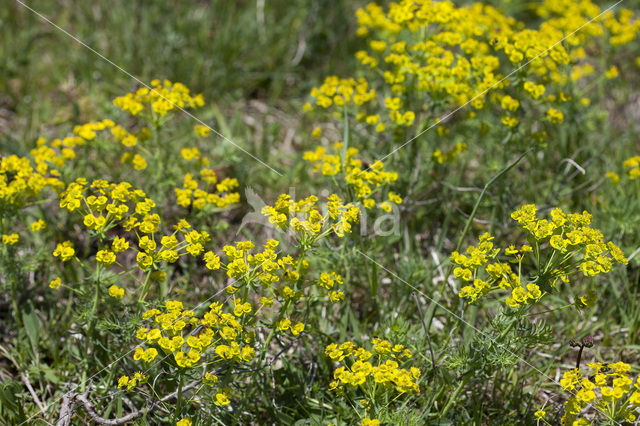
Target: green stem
[(143, 293), (505, 332), (345, 142), (92, 326), (470, 219), (272, 332), (453, 397), (176, 414), (373, 287)]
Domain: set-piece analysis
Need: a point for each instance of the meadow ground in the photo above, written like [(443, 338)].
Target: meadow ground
[(312, 212)]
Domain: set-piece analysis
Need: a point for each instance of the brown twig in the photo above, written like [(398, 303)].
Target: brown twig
[(66, 409), (71, 399), (27, 383)]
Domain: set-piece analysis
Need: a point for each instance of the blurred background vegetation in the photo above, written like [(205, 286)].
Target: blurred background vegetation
[(228, 50)]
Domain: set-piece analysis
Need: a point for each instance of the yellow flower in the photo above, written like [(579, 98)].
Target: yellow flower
[(10, 239), (186, 421), (55, 283), (266, 301), (386, 206), (297, 328), (123, 381), (201, 131), (190, 154), (284, 324), (509, 121), (144, 260), (145, 355), (533, 291), (210, 379), (106, 257), (509, 104), (611, 73), (221, 399), (139, 163), (395, 198), (555, 116), (116, 292), (119, 244), (539, 415), (37, 225), (212, 261), (241, 309), (586, 395), (247, 353), (64, 251), (535, 90)]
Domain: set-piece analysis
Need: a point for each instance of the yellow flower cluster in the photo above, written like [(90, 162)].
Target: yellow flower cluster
[(555, 116), (305, 221), (38, 225), (162, 97), (562, 12), (219, 336), (378, 370), (572, 246), (106, 206), (342, 91), (206, 190), (192, 192), (137, 379), (103, 204), (285, 324), (10, 239), (426, 55), (328, 280), (632, 166), (88, 131), (363, 180), (199, 192), (64, 251), (221, 332), (280, 276), (607, 387), (184, 422), (116, 292), (201, 131), (571, 237), (21, 183), (450, 155), (264, 267), (55, 283)]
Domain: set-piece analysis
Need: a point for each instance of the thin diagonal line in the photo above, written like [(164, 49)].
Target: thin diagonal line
[(470, 325), (449, 114), (77, 40)]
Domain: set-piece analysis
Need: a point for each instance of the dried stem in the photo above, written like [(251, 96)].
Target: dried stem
[(71, 399)]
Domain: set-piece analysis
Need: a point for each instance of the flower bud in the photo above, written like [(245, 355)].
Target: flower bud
[(587, 341)]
